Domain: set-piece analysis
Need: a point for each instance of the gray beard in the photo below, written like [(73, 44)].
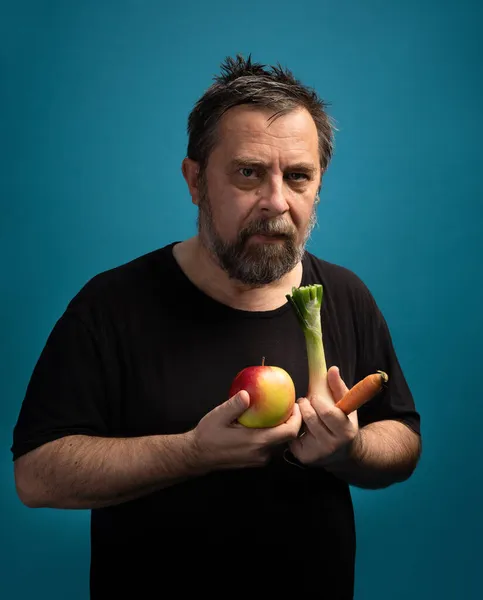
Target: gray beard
[(253, 264)]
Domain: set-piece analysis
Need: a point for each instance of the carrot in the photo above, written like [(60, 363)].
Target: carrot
[(362, 392)]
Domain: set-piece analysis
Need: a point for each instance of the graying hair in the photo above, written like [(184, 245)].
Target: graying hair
[(244, 82)]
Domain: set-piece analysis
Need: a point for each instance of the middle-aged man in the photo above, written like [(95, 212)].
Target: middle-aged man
[(127, 412)]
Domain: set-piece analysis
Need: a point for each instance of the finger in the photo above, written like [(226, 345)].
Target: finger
[(286, 431), (233, 408), (327, 413), (336, 384), (310, 417), (295, 419), (354, 419)]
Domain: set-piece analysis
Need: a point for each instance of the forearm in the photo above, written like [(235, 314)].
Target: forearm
[(382, 453), (86, 472)]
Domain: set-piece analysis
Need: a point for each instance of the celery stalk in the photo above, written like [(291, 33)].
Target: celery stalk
[(306, 302)]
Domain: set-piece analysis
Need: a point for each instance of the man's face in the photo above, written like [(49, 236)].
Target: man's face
[(256, 198)]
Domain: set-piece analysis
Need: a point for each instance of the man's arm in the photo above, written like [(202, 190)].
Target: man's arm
[(85, 472), (80, 471), (382, 453)]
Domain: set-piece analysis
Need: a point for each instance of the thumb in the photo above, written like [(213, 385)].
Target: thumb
[(234, 407), (336, 384)]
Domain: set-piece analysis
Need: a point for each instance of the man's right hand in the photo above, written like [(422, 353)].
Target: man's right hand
[(222, 443)]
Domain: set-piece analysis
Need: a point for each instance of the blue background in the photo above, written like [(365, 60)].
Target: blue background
[(94, 101)]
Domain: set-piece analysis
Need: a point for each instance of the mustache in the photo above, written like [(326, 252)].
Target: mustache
[(266, 227)]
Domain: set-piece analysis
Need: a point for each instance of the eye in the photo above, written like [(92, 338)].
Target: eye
[(298, 176), (247, 171)]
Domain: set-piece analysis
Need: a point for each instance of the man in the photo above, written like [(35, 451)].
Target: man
[(127, 411)]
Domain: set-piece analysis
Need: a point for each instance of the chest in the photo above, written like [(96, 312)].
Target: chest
[(175, 371)]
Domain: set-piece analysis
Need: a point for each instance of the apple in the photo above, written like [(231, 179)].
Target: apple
[(272, 395)]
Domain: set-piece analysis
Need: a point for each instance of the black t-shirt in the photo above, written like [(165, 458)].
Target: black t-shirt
[(140, 351)]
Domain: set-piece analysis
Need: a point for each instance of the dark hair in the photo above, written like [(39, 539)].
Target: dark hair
[(244, 82)]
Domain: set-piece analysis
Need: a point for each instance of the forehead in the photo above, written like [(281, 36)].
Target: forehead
[(250, 130)]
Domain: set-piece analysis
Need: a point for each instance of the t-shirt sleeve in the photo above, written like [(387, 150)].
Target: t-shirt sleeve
[(376, 352), (66, 391)]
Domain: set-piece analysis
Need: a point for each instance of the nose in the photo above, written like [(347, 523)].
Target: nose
[(272, 198)]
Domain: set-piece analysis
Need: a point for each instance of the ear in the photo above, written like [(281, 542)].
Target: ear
[(190, 170)]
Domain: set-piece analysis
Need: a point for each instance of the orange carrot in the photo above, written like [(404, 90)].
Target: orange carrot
[(362, 392)]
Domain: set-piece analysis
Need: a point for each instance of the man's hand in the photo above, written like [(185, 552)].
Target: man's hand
[(222, 443), (329, 432)]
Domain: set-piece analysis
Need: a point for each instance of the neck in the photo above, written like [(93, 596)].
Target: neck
[(202, 269)]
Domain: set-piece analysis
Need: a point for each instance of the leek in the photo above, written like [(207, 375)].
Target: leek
[(306, 302)]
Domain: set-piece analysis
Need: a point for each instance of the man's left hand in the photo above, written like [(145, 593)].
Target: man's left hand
[(329, 432)]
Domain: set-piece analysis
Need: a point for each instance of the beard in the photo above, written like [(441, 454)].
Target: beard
[(254, 264)]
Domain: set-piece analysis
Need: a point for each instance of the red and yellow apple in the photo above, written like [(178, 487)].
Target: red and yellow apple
[(272, 395)]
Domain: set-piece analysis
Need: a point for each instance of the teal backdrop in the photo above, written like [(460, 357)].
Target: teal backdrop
[(94, 101)]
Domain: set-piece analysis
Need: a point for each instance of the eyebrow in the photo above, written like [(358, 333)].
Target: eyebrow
[(243, 161)]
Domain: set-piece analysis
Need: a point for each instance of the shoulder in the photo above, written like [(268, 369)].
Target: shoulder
[(338, 280), (135, 280)]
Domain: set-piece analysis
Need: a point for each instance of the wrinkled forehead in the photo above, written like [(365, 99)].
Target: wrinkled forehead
[(248, 130)]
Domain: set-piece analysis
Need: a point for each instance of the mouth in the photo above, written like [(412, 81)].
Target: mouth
[(269, 237)]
